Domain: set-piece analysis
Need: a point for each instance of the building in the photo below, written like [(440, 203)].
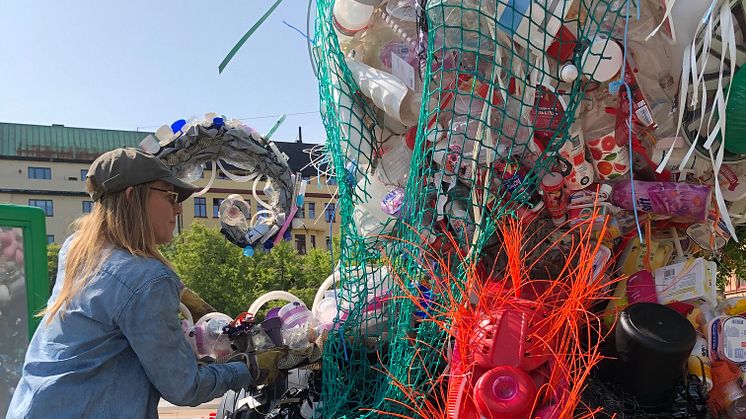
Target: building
[(46, 166)]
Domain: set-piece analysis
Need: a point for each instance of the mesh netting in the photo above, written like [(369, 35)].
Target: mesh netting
[(486, 106)]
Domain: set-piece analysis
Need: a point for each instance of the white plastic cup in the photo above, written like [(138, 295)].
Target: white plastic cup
[(351, 16)]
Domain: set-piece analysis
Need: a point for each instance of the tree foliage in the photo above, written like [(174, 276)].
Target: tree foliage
[(218, 271)]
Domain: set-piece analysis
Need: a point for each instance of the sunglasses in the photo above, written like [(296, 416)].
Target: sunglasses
[(173, 197)]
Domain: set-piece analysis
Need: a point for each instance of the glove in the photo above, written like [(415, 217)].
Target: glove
[(196, 305), (263, 365)]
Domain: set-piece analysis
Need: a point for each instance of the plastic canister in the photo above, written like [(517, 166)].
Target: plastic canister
[(649, 347), (554, 197), (505, 392), (294, 314)]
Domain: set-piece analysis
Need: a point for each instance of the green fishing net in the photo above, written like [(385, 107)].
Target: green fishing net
[(491, 92)]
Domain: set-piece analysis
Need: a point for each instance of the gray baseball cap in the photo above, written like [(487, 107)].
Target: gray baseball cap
[(118, 169)]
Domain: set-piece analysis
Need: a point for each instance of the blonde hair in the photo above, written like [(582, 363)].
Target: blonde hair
[(115, 221)]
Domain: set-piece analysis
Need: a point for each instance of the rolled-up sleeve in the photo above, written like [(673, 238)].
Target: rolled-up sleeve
[(150, 322)]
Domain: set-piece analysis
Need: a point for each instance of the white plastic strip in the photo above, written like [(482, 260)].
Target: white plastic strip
[(236, 178), (213, 175)]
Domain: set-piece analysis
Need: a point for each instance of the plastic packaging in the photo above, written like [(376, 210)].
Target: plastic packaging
[(689, 281), (641, 288), (209, 338), (610, 161), (664, 198)]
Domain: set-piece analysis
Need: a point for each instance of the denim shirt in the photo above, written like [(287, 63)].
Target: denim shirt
[(117, 349)]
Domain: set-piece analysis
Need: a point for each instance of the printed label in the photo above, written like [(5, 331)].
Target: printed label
[(402, 70)]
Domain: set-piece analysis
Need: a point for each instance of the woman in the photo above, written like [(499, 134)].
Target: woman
[(110, 344)]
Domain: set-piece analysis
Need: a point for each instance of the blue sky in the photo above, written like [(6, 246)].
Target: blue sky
[(140, 64)]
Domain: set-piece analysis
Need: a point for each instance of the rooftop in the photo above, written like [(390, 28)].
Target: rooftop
[(61, 143)]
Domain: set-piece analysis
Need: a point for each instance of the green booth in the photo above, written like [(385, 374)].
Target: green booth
[(24, 289)]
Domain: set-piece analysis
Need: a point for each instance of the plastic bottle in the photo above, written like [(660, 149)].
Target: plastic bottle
[(665, 198), (573, 151), (234, 212), (370, 219)]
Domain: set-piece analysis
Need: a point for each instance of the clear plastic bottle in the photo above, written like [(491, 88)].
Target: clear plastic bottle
[(234, 212)]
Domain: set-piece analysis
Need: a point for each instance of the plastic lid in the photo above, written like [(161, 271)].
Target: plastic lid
[(569, 73), (660, 326), (603, 59)]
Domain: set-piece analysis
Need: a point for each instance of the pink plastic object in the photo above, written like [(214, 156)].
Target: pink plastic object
[(505, 338), (665, 198), (458, 404), (505, 392), (641, 288)]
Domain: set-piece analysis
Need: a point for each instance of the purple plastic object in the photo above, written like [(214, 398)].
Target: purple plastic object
[(665, 198), (272, 327), (274, 312)]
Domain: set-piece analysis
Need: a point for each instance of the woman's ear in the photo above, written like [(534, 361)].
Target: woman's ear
[(128, 192)]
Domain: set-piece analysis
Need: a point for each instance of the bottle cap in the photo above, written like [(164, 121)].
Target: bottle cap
[(568, 73)]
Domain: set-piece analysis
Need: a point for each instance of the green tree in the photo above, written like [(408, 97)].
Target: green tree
[(218, 271), (53, 252)]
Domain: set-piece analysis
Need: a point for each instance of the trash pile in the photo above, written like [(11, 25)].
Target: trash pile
[(188, 146), (611, 131)]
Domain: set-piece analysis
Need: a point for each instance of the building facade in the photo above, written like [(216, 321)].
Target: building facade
[(46, 166)]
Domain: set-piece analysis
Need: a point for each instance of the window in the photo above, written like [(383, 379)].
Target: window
[(50, 238), (216, 207), (329, 214), (87, 206), (329, 244), (46, 204), (83, 174), (300, 243), (39, 173), (331, 181), (200, 207), (313, 241), (301, 212), (311, 210)]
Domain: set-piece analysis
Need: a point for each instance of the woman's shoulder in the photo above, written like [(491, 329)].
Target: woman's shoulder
[(134, 271)]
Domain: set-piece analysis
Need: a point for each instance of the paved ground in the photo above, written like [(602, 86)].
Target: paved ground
[(168, 411)]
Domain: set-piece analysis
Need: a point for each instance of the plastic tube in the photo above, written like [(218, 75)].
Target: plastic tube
[(256, 197), (184, 310), (272, 295), (234, 177), (328, 282), (210, 182)]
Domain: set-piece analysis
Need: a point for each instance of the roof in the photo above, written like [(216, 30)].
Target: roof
[(58, 142)]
